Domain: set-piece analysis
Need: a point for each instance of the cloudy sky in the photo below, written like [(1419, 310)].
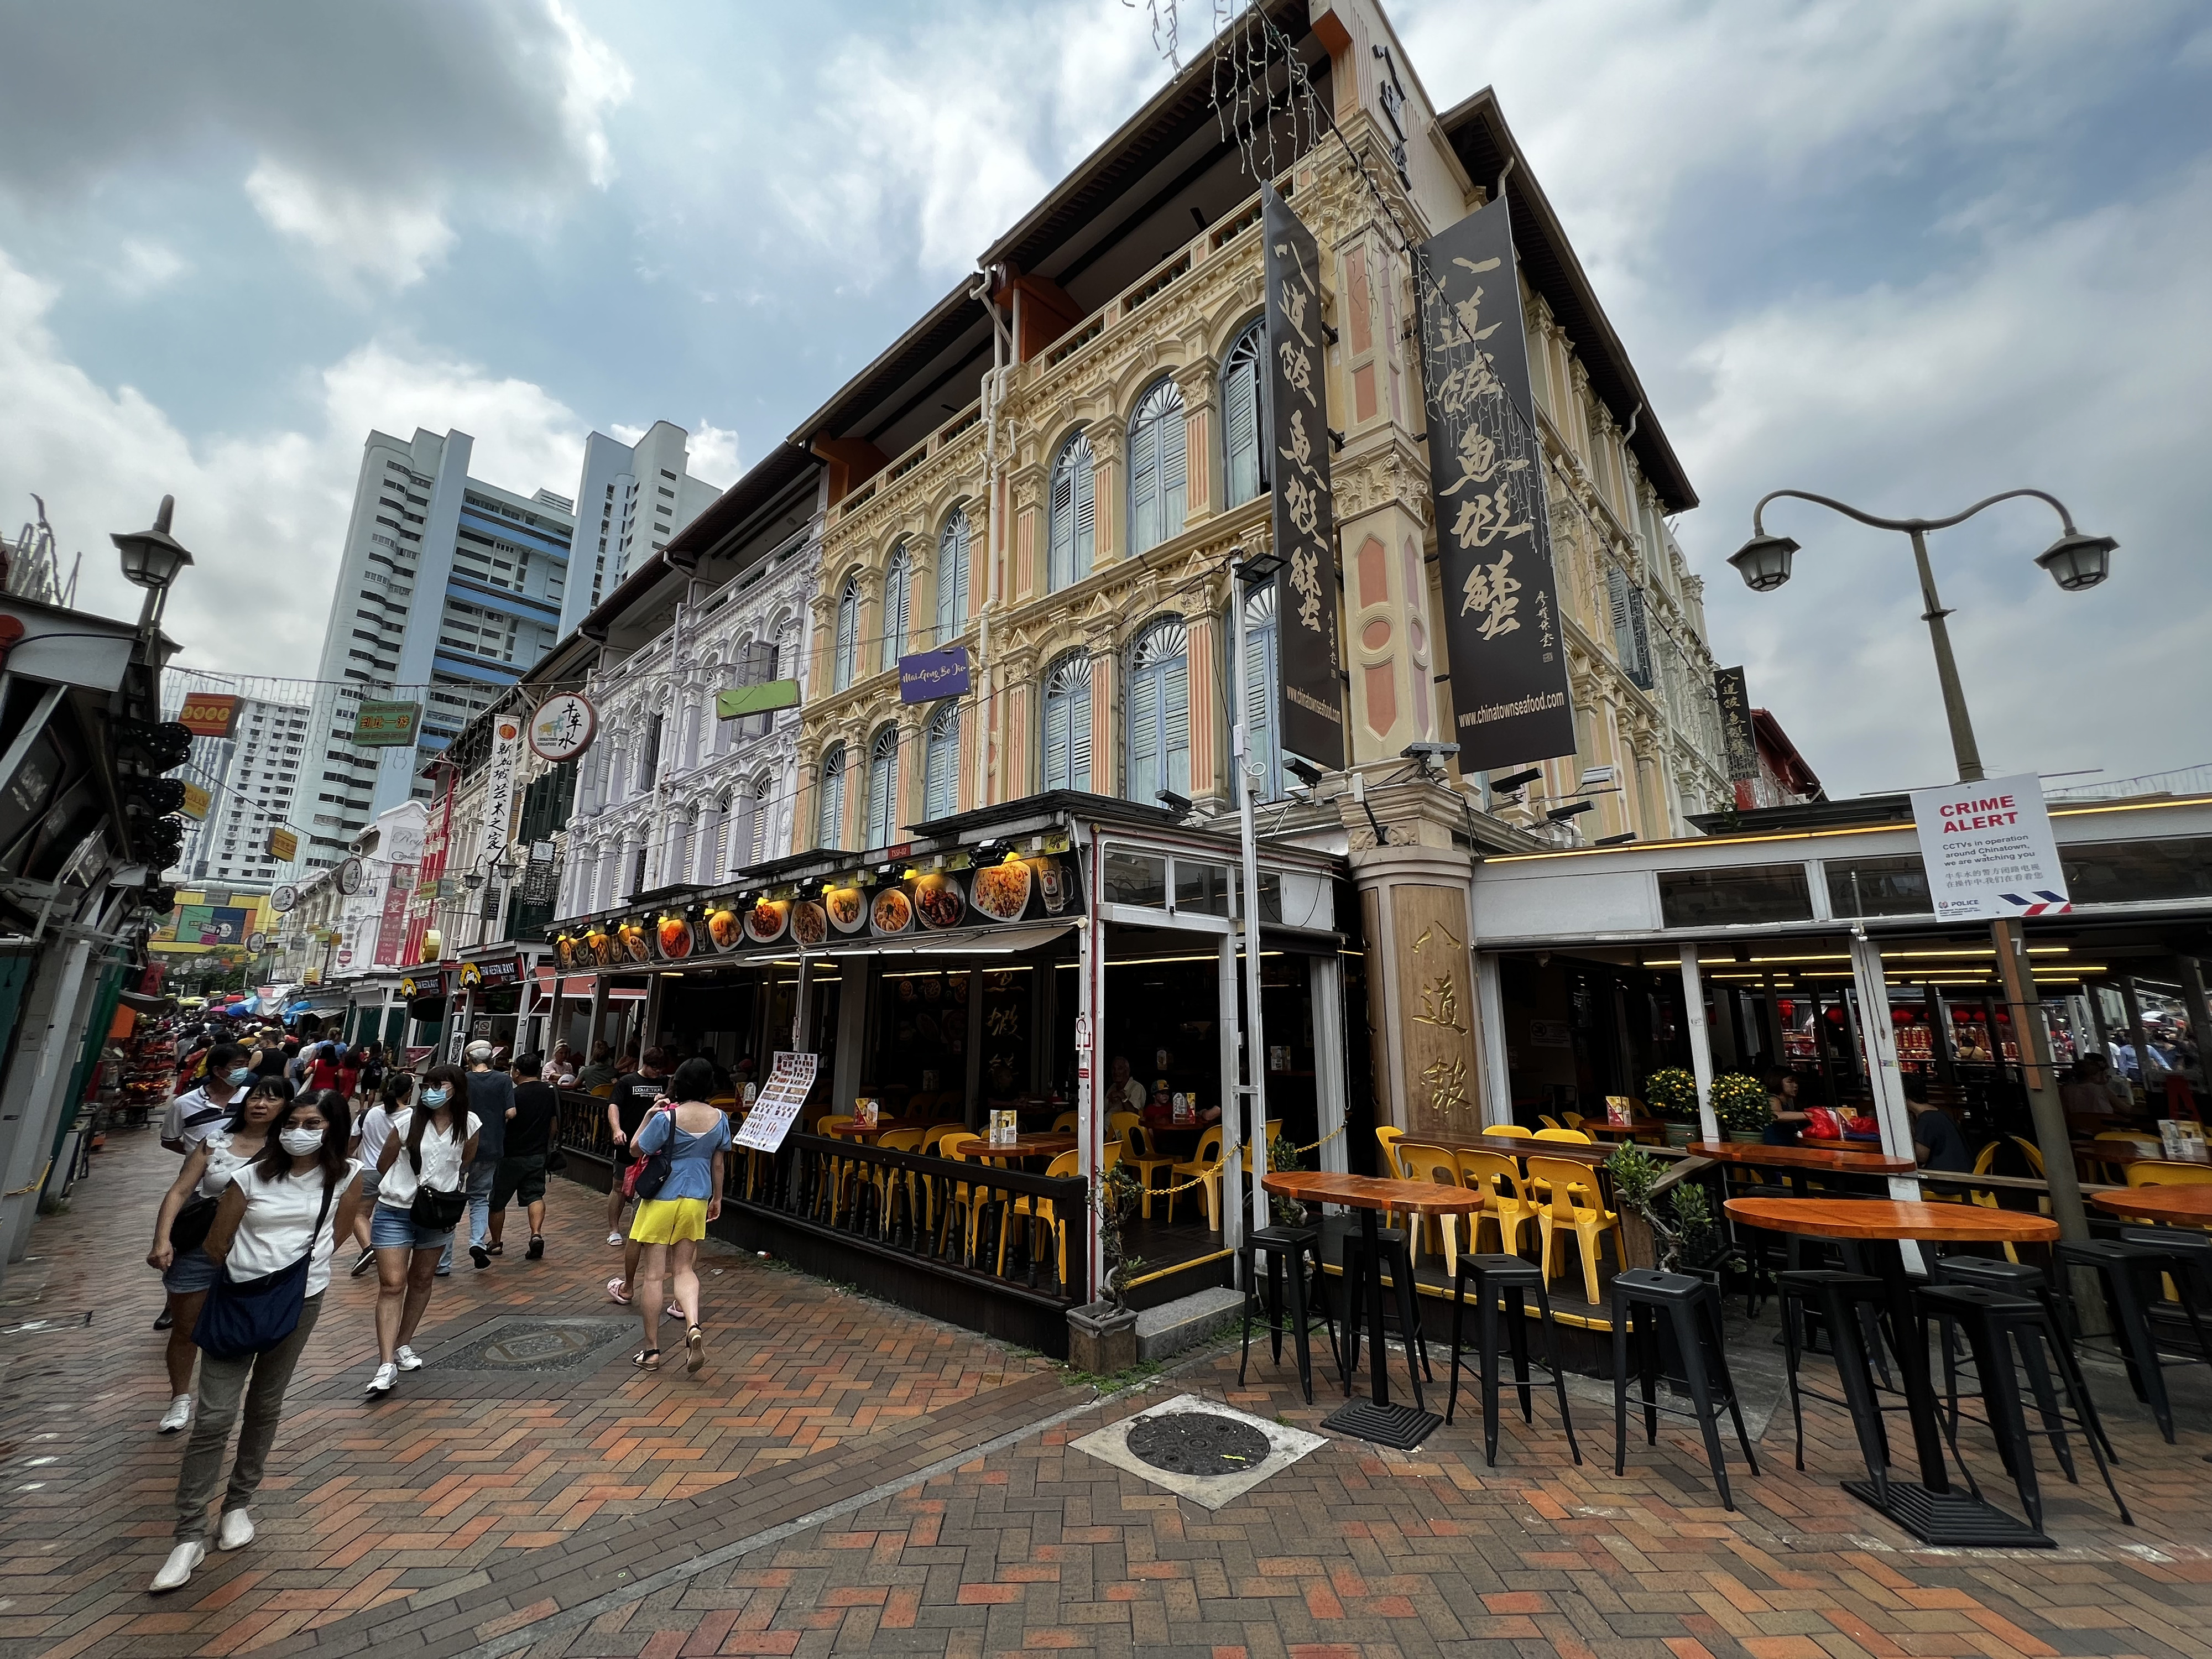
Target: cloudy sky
[(1905, 254)]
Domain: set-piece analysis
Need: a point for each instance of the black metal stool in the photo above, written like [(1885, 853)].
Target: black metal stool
[(1509, 1278), (2022, 1278), (2130, 1273), (1646, 1305), (1291, 1248), (1849, 1305), (1400, 1261), (1997, 1323)]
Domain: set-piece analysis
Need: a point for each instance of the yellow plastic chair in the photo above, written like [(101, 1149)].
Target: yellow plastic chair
[(1274, 1134), (1036, 1211), (604, 1091), (889, 1179), (961, 1199), (1117, 1123), (1574, 1203), (1205, 1167), (1506, 1202), (1063, 1123), (1432, 1163), (1576, 1136), (2168, 1172), (1549, 1122), (1387, 1139), (934, 1137), (1512, 1130), (1141, 1156)]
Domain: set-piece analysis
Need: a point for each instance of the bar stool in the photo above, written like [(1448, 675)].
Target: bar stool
[(1291, 1248), (1511, 1278), (1399, 1259), (1848, 1305), (2130, 1273), (2022, 1278), (1648, 1304), (1996, 1324)]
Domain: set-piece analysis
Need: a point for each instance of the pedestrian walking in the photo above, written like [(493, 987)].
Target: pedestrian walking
[(530, 1126), (182, 1225), (420, 1196), (634, 1094), (371, 1130), (673, 1219), (273, 1233), (195, 1114), (492, 1097)]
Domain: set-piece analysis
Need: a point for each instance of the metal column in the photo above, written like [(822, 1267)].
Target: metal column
[(1701, 1042)]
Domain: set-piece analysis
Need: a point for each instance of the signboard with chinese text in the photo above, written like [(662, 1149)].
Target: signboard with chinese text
[(540, 881), (1988, 850), (206, 715), (391, 924), (387, 725), (563, 727), (1311, 708), (499, 788), (1734, 696), (1501, 621), (283, 845), (197, 802), (927, 676), (790, 1078)]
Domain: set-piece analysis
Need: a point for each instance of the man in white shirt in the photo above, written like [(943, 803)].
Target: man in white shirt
[(1123, 1092), (198, 1112)]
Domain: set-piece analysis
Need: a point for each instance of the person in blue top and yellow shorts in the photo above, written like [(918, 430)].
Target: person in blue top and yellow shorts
[(670, 1224)]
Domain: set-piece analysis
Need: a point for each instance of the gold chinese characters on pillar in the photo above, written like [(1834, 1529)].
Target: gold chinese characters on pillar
[(1436, 1001)]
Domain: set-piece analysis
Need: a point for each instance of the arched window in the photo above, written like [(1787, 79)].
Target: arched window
[(941, 764), (1067, 723), (846, 653), (829, 824), (1262, 669), (1244, 468), (952, 578), (1159, 711), (1159, 463), (898, 588), (883, 788), (1074, 514)]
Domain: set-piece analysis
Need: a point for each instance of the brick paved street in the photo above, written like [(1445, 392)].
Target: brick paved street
[(846, 1477)]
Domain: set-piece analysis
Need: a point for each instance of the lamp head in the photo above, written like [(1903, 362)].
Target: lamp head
[(1764, 563), (1253, 568), (2077, 561), (152, 558)]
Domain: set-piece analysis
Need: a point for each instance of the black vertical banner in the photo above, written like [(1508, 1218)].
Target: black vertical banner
[(1502, 630), (1312, 703), (1734, 696)]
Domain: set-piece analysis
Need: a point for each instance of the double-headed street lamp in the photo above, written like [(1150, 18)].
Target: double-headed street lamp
[(2077, 561)]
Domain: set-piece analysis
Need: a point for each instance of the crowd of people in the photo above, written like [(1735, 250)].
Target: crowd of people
[(290, 1145)]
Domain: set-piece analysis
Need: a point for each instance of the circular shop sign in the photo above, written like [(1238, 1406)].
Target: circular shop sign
[(563, 727), (350, 876), (257, 942), (283, 898)]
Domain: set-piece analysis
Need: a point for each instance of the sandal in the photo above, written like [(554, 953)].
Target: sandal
[(695, 1344), (648, 1359)]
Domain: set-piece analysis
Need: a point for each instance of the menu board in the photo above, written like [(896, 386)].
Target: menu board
[(790, 1078)]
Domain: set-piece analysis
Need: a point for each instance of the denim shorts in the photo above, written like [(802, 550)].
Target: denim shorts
[(390, 1228), (192, 1271)]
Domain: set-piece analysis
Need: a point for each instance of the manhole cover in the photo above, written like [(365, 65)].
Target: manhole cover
[(1199, 1443), (536, 1345)]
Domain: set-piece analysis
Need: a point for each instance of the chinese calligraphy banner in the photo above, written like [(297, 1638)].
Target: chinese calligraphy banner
[(1311, 657), (1734, 696), (1502, 630), (499, 788)]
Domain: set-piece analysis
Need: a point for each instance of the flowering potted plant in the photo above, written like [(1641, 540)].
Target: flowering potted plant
[(1739, 1106), (1672, 1094)]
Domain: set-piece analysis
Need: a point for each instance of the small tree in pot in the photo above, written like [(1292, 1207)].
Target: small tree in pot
[(1740, 1105), (1672, 1093), (1101, 1337)]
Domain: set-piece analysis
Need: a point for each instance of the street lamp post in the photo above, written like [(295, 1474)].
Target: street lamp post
[(2077, 561)]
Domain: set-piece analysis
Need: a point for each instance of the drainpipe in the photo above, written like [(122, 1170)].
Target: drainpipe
[(993, 393)]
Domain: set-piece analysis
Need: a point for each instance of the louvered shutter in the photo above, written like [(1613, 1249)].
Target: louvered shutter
[(941, 769), (1175, 467), (1143, 481), (1624, 642), (1175, 724), (1639, 637), (1260, 674), (1060, 565), (1240, 402), (952, 579), (898, 585), (1057, 772), (1079, 732), (1145, 734), (848, 632), (830, 820)]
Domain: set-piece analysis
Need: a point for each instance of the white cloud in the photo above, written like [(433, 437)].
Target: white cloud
[(715, 457), (264, 513), (392, 240), (143, 265)]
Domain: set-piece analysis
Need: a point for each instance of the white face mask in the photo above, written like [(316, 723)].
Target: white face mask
[(301, 1142)]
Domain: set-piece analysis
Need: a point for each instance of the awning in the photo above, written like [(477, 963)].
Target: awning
[(954, 942)]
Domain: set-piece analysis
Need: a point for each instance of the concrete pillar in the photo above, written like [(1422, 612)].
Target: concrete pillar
[(1701, 1044)]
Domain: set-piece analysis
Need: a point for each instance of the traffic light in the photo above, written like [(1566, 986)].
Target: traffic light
[(144, 749)]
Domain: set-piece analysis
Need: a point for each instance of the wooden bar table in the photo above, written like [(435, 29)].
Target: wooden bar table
[(1575, 1152), (2189, 1205), (1036, 1145), (1801, 1157), (1929, 1508), (1375, 1417)]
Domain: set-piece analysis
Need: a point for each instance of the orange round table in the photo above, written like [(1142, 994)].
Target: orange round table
[(1929, 1509), (2189, 1205)]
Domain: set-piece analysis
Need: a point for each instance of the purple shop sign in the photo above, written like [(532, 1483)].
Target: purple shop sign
[(928, 675)]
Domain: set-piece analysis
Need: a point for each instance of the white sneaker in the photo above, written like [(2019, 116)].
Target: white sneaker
[(408, 1359), (236, 1531), (179, 1414), (386, 1376), (614, 1238), (177, 1571)]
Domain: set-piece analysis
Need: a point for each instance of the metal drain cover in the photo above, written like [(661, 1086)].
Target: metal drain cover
[(1199, 1443), (536, 1345)]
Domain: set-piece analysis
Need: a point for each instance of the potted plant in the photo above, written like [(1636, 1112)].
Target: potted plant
[(1672, 1093), (1635, 1175), (1739, 1106), (1102, 1336), (1699, 1247)]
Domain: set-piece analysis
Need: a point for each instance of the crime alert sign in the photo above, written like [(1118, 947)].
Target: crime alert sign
[(1987, 849)]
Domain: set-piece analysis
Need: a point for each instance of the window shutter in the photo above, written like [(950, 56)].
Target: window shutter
[(848, 628), (1078, 732), (952, 579), (1175, 467), (941, 769), (1060, 565), (897, 585), (1174, 700), (1260, 674), (1143, 481), (1624, 644), (1243, 474), (1639, 635), (830, 820), (1143, 733), (1086, 481), (882, 787)]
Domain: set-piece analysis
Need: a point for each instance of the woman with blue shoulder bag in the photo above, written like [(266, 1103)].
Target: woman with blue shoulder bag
[(273, 1232)]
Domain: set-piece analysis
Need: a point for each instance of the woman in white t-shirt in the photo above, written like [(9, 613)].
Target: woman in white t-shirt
[(371, 1130), (432, 1145), (267, 1221)]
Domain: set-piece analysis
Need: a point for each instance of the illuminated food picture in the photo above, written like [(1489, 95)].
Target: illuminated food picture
[(809, 924), (601, 946), (725, 927), (564, 950), (848, 908), (633, 941), (765, 921), (1000, 891), (894, 912), (674, 936), (937, 899)]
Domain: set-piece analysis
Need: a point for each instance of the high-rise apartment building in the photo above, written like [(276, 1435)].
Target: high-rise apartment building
[(450, 588), (631, 498), (252, 777)]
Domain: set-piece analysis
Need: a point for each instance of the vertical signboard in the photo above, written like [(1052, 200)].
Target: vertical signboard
[(1509, 664), (1734, 696), (499, 788), (391, 924), (1312, 703)]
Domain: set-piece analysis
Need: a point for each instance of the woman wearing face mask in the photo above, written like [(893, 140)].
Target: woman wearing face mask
[(420, 1195), (289, 1204), (188, 1271), (371, 1130)]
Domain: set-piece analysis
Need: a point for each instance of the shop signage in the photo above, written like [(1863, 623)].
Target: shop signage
[(1987, 849), (257, 942), (1502, 630), (491, 975), (387, 725), (197, 802), (499, 788), (790, 1078), (350, 876), (283, 845), (1312, 705), (206, 715), (284, 897), (563, 727), (391, 924), (762, 699), (1734, 697), (538, 880), (927, 676)]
